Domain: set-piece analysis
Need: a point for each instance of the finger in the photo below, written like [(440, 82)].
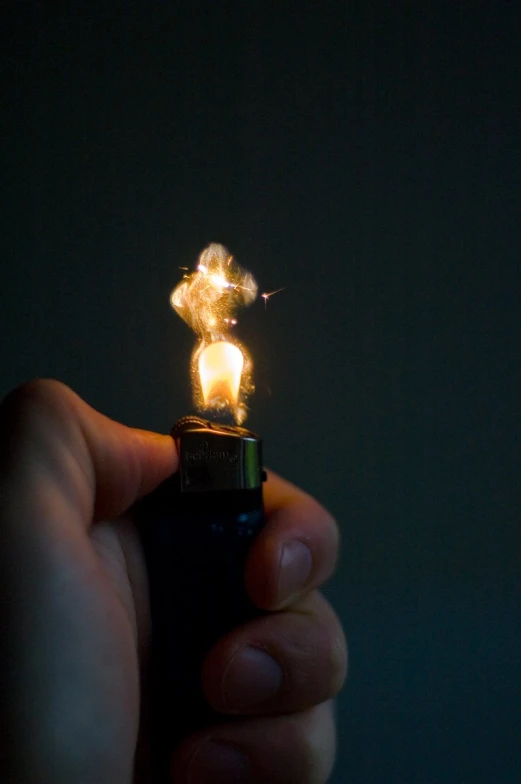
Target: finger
[(279, 663), (99, 466), (297, 549), (295, 749)]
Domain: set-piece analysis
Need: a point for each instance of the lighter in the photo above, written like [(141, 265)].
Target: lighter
[(197, 527), (196, 530)]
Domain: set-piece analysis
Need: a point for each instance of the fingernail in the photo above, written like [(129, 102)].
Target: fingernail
[(220, 764), (295, 569), (252, 677)]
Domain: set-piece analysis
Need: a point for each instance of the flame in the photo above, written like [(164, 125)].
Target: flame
[(208, 300), (220, 371)]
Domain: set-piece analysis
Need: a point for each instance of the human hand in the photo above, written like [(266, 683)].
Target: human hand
[(75, 618)]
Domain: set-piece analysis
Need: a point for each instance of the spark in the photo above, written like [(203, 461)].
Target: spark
[(268, 294), (238, 287)]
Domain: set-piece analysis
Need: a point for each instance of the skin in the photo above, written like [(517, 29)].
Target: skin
[(75, 619)]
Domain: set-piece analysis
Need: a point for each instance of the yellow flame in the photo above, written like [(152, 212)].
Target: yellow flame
[(208, 300), (220, 371)]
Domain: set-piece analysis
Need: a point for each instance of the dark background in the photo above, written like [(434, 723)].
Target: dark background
[(366, 156)]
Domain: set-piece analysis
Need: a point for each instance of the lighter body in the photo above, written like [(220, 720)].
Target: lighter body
[(196, 530)]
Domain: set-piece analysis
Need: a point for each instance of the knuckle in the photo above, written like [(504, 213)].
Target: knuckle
[(313, 742), (38, 419), (327, 541), (33, 400), (337, 659), (328, 523), (325, 648)]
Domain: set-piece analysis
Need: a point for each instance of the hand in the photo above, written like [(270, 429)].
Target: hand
[(75, 620)]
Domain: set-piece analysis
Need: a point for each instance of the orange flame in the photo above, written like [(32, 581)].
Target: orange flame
[(208, 300)]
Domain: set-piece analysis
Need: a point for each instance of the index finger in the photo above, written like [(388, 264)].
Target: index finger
[(296, 551)]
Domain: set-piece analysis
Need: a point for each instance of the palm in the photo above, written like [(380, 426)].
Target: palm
[(125, 629), (93, 610)]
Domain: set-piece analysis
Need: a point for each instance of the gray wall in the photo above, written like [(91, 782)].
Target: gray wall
[(365, 156)]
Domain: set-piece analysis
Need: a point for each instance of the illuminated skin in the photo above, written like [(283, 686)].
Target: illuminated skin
[(75, 620)]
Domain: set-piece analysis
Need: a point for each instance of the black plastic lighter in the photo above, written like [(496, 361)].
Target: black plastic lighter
[(196, 529)]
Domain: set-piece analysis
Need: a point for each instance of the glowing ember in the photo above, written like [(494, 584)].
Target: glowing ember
[(207, 300), (268, 294)]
